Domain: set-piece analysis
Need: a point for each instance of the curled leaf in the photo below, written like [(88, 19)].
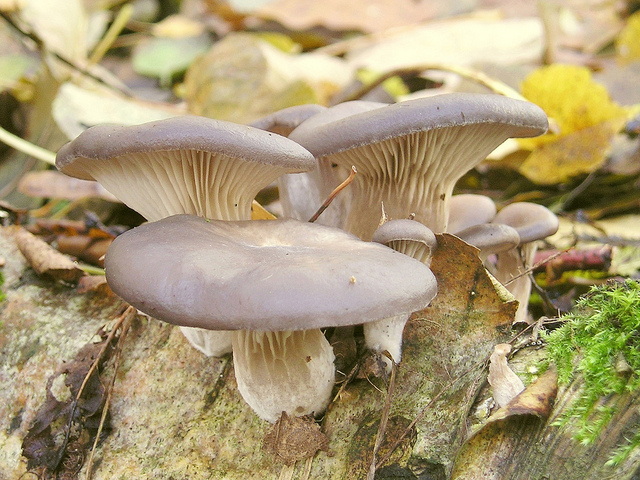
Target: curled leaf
[(505, 384), (46, 260)]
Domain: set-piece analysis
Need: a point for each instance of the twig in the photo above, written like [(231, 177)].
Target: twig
[(41, 45), (92, 369), (112, 33), (333, 194), (128, 315), (26, 147), (384, 419), (531, 269), (480, 77)]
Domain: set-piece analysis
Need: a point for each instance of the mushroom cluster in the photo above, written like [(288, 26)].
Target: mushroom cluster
[(266, 289)]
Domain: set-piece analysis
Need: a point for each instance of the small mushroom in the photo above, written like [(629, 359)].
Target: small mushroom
[(490, 239), (284, 121), (410, 155), (413, 239), (469, 209), (275, 284), (186, 164), (532, 222)]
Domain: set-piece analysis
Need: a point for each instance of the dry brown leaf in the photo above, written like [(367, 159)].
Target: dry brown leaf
[(295, 438), (52, 184), (94, 283), (505, 384), (46, 260), (486, 455)]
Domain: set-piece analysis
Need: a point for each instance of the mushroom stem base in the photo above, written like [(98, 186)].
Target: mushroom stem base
[(290, 371)]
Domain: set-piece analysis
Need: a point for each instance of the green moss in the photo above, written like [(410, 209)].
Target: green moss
[(600, 341)]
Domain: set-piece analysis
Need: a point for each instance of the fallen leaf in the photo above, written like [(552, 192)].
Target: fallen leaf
[(76, 108), (165, 58), (569, 95), (364, 15), (53, 184), (579, 152), (295, 438), (242, 78), (61, 424), (46, 260), (505, 384), (585, 117), (94, 283), (461, 42), (258, 212), (537, 399), (488, 452)]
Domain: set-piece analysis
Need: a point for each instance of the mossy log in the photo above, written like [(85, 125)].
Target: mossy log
[(175, 413)]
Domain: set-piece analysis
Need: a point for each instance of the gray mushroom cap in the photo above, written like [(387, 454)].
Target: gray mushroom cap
[(441, 111), (468, 209), (284, 121), (530, 220), (261, 275), (407, 237), (410, 155), (490, 237), (184, 164), (103, 142)]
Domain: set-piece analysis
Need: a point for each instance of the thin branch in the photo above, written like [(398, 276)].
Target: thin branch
[(333, 194), (26, 147), (124, 14), (482, 78), (384, 419), (128, 315)]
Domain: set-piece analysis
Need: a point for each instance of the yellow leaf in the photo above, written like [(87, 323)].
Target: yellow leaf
[(628, 41), (586, 119), (569, 155), (258, 212), (568, 94)]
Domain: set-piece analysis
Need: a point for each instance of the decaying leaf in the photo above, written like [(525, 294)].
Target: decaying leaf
[(295, 438), (76, 108), (94, 283), (46, 260), (491, 452), (586, 118), (242, 78), (53, 184), (66, 421), (505, 384)]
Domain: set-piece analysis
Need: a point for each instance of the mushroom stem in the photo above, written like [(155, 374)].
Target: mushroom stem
[(213, 343), (290, 371), (386, 334)]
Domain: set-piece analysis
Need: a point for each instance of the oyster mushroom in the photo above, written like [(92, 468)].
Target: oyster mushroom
[(275, 284)]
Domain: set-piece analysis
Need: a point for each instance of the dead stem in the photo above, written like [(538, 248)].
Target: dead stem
[(124, 322), (382, 428), (333, 194)]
